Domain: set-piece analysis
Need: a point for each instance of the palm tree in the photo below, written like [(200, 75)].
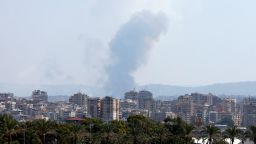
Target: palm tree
[(243, 135), (135, 124), (197, 134), (62, 133), (9, 127), (176, 129), (231, 133), (119, 130), (187, 131), (252, 133), (106, 133), (140, 128), (31, 134), (43, 128), (160, 133), (211, 131), (76, 132)]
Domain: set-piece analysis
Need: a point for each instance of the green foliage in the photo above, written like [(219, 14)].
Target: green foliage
[(8, 128), (136, 130), (141, 129), (212, 132), (180, 131), (92, 124), (231, 133), (252, 133)]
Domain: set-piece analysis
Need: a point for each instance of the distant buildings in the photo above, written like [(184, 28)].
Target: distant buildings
[(207, 108), (79, 99), (229, 110), (143, 103), (94, 107), (6, 96), (185, 107), (132, 95), (39, 96), (213, 116), (145, 100), (249, 111), (194, 108), (107, 108), (202, 99), (110, 108)]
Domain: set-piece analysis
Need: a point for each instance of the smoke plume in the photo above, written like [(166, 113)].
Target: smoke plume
[(129, 48)]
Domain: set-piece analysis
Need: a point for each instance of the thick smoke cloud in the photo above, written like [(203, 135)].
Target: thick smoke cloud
[(129, 49)]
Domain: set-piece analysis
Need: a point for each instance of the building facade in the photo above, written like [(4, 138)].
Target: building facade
[(39, 96), (79, 99), (110, 108), (94, 107), (145, 100)]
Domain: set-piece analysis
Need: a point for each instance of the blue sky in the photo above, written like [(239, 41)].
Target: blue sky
[(67, 42)]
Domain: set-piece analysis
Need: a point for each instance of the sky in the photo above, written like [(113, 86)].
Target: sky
[(69, 42)]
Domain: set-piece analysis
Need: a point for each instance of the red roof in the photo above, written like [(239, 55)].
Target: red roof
[(74, 119)]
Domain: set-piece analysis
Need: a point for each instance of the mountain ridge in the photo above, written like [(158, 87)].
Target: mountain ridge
[(231, 88)]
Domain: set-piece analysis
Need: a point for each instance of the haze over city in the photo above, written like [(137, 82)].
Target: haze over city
[(120, 45), (127, 72)]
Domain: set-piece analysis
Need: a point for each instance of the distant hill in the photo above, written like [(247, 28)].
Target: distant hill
[(237, 88)]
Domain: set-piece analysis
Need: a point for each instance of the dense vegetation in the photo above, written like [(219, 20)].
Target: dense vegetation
[(136, 130)]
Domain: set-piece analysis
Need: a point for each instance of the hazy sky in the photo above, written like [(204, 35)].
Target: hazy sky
[(67, 42)]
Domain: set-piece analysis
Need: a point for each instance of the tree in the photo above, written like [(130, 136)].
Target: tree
[(92, 124), (176, 128), (243, 136), (160, 134), (76, 132), (231, 133), (8, 127), (94, 128), (120, 130), (212, 132), (188, 131), (62, 133), (252, 133), (30, 132), (43, 129), (140, 129)]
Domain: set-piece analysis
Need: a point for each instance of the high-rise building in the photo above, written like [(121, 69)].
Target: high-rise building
[(79, 99), (146, 101), (110, 109), (133, 95), (94, 107), (249, 111), (185, 108), (230, 109), (229, 105), (213, 116), (128, 104), (202, 99), (6, 96), (39, 96)]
